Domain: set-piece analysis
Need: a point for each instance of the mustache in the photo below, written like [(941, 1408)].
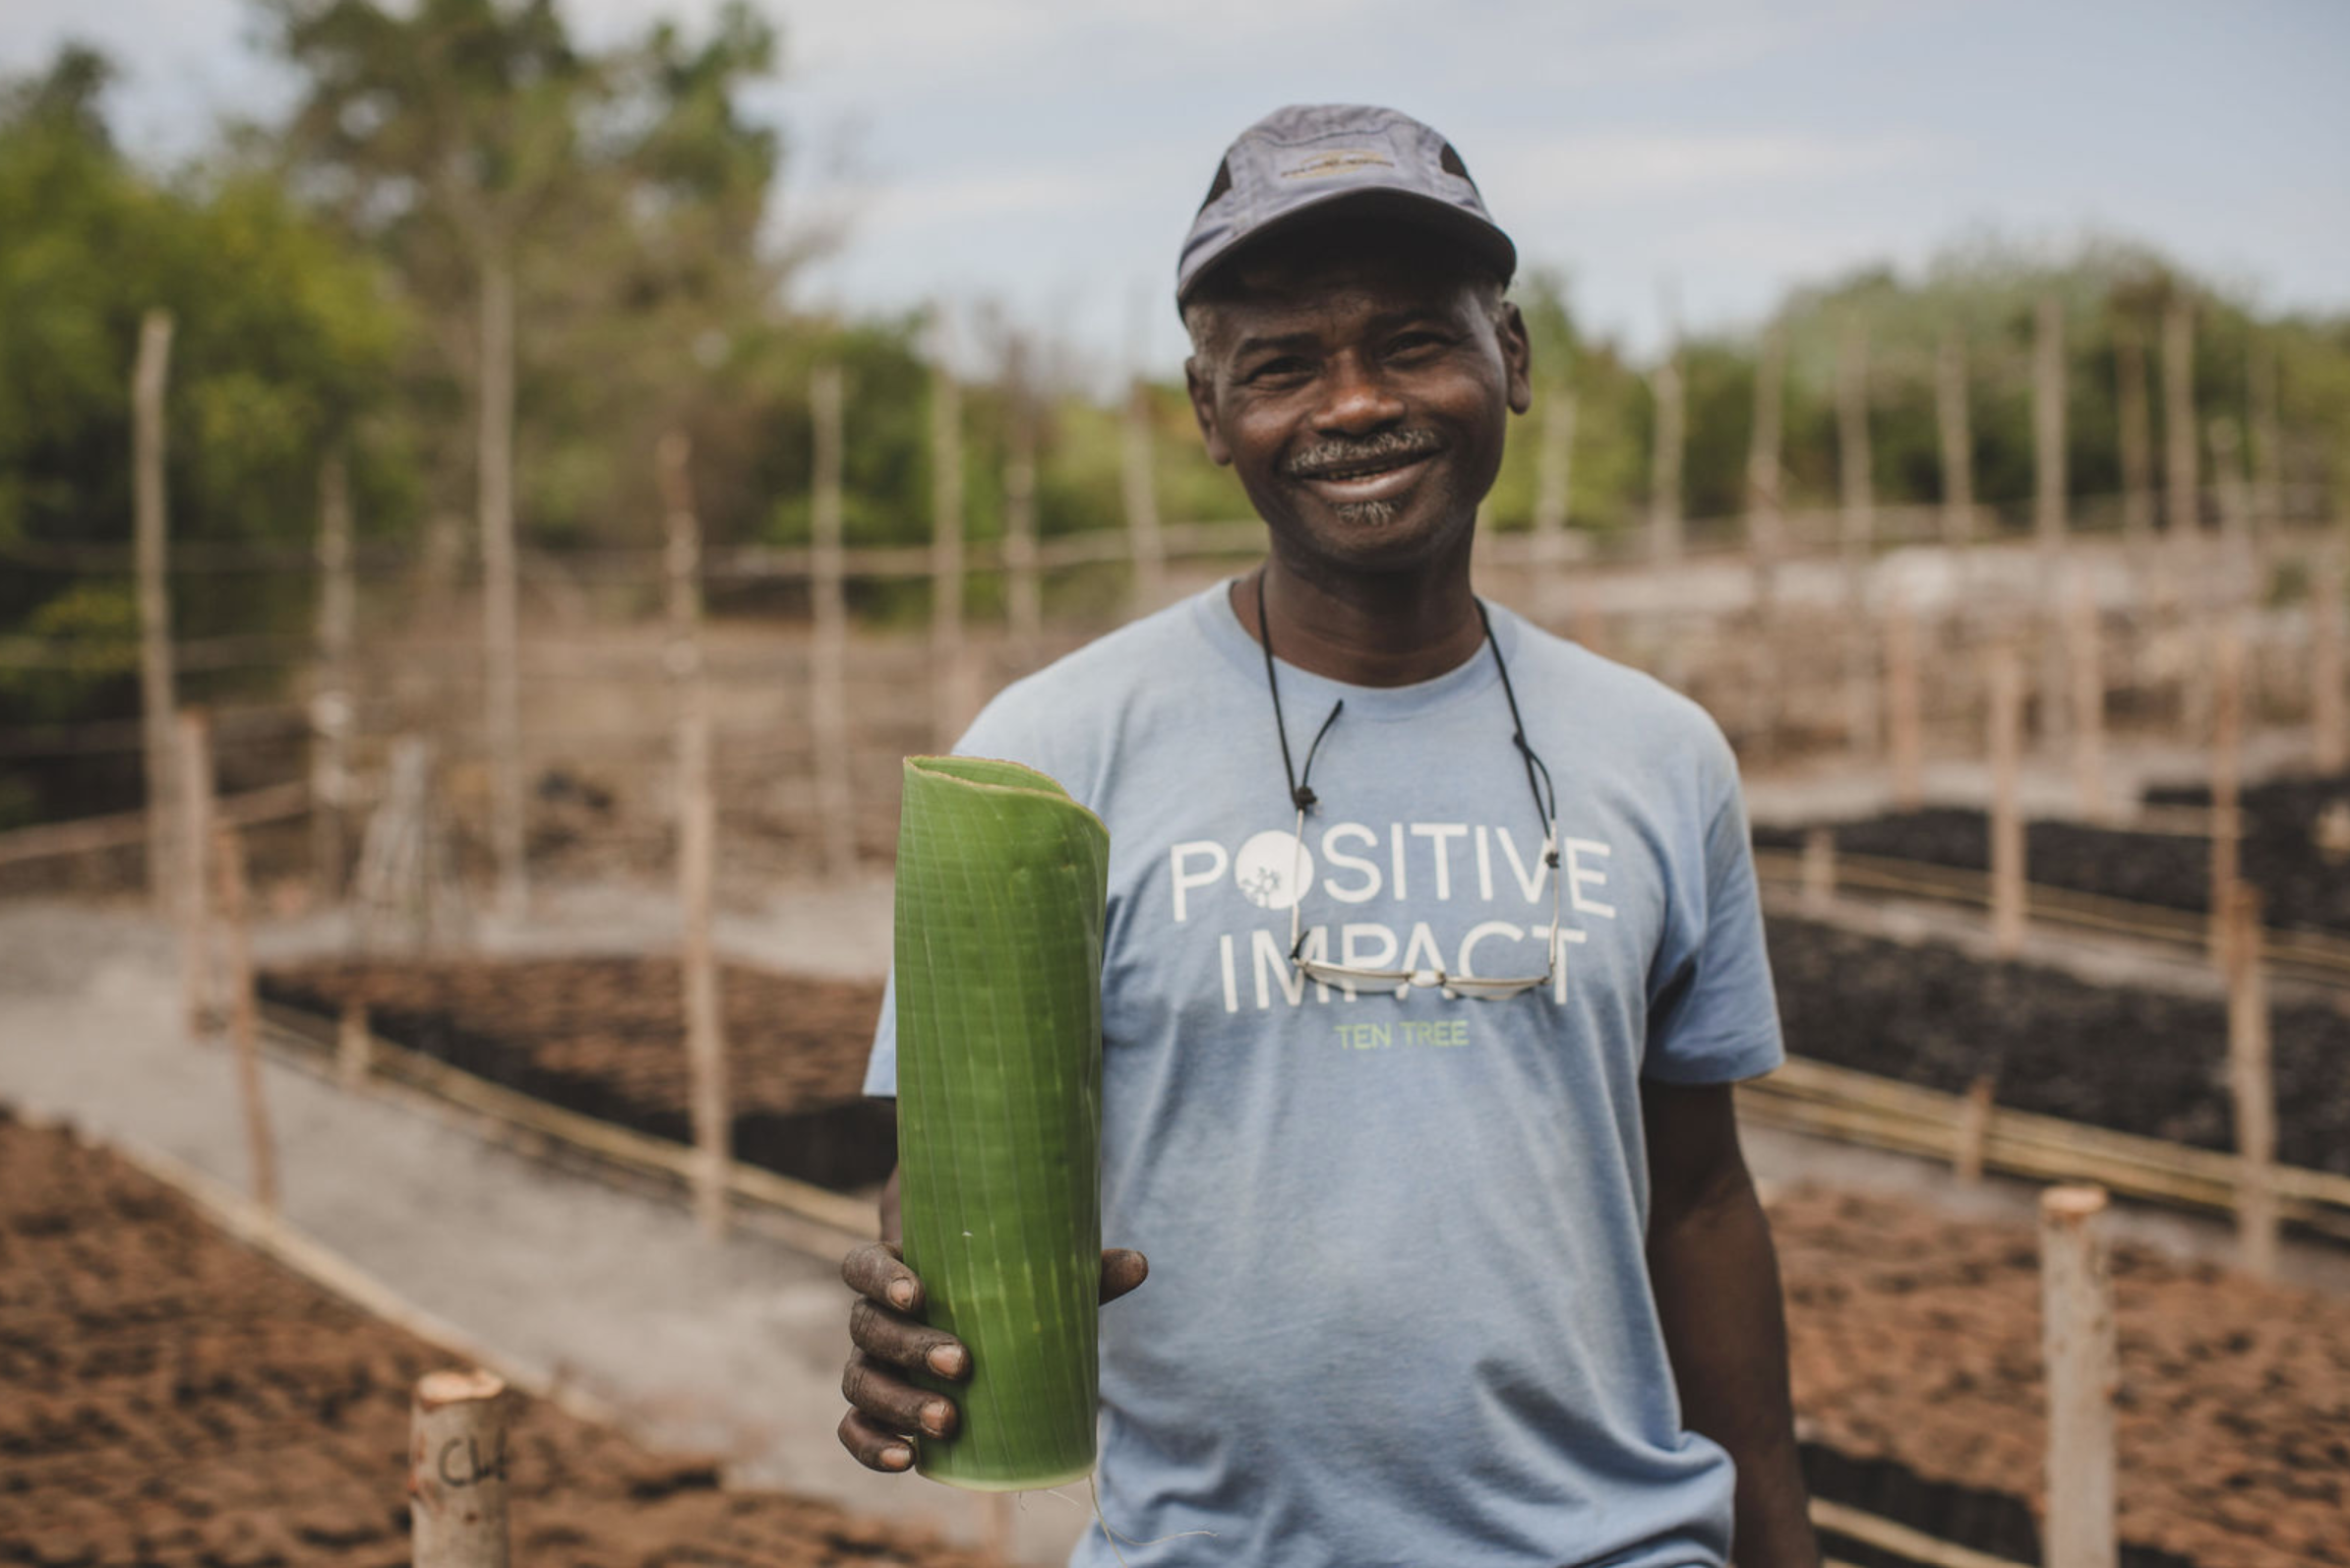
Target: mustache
[(1334, 457)]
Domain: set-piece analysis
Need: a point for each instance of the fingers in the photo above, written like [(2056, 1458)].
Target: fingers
[(875, 1447), (892, 1404), (887, 1336), (876, 1271), (1123, 1269)]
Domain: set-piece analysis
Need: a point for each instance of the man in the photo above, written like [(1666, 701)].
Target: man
[(1434, 948)]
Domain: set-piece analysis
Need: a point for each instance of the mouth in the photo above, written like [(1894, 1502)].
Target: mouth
[(1355, 480)]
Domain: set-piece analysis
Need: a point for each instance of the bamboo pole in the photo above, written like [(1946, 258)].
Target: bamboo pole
[(158, 697), (1766, 524), (953, 682), (1554, 459), (193, 768), (2048, 425), (2267, 435), (354, 1045), (2251, 1086), (2227, 778), (2329, 661), (697, 842), (2178, 417), (2087, 663), (2006, 815), (1144, 541), (458, 1471), (331, 705), (2137, 435), (828, 703), (502, 692), (2078, 1342), (1974, 1131), (1953, 428), (1023, 596), (1857, 490), (228, 861), (1665, 457), (2228, 480), (1904, 721), (1819, 869)]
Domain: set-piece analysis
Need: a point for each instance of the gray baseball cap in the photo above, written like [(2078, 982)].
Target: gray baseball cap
[(1314, 158)]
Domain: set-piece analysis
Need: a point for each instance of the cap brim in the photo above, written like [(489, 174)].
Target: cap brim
[(1480, 238)]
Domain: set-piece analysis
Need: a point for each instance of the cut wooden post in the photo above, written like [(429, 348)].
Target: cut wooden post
[(2048, 425), (502, 690), (697, 842), (354, 1045), (1857, 489), (2086, 662), (1666, 458), (2251, 1086), (458, 1471), (828, 656), (1766, 524), (2267, 436), (1974, 1133), (2329, 661), (954, 684), (1904, 718), (2228, 482), (1023, 596), (2133, 411), (158, 697), (1148, 549), (2078, 1342), (2178, 417), (1955, 427), (2227, 777), (332, 704), (1819, 868), (2006, 813), (1554, 458), (244, 1029), (193, 767)]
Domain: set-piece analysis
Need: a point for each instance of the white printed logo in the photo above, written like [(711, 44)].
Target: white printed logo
[(1266, 865)]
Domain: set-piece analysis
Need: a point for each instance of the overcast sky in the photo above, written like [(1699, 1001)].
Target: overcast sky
[(1046, 155)]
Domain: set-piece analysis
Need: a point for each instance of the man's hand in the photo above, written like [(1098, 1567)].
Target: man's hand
[(890, 1339)]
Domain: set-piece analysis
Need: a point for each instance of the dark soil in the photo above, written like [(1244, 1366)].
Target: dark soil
[(2301, 885), (605, 1037), (2131, 1060), (1915, 1344), (170, 1398)]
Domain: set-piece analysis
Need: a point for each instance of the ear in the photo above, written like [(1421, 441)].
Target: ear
[(1517, 357), (1200, 382)]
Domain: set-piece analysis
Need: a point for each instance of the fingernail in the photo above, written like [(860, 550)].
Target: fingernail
[(897, 1458), (934, 1417), (901, 1294), (947, 1360)]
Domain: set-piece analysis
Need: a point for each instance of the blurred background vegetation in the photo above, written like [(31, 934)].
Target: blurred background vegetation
[(326, 276)]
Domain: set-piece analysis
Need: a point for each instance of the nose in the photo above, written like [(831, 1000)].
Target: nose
[(1357, 401)]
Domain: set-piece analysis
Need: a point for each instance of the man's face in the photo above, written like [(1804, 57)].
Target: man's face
[(1361, 387)]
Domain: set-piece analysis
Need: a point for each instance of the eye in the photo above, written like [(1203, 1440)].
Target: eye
[(1406, 345), (1283, 368)]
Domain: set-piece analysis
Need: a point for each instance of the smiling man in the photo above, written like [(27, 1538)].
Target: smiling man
[(1433, 950)]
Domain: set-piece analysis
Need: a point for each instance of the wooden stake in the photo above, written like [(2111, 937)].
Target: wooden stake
[(1554, 459), (158, 697), (2227, 775), (697, 842), (2329, 661), (2250, 1085), (2267, 436), (193, 770), (2048, 425), (2137, 435), (2178, 416), (2088, 666), (1903, 705), (828, 703), (1148, 549), (2006, 815), (458, 1471), (502, 709), (1974, 1131), (2078, 1342), (1766, 526), (354, 1045), (1023, 596), (244, 1032), (2226, 439), (1666, 458), (1958, 440), (331, 715), (954, 684), (1860, 525), (1819, 869)]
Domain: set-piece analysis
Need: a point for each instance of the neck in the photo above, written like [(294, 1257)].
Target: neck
[(1386, 629)]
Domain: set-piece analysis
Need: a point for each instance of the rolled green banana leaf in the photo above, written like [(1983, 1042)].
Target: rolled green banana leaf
[(1001, 886)]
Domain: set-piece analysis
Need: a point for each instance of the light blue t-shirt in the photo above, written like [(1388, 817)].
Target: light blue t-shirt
[(1399, 1310)]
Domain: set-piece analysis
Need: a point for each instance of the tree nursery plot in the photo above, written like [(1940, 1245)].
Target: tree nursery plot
[(171, 1398), (2130, 1058), (605, 1037), (1914, 1343), (2285, 853)]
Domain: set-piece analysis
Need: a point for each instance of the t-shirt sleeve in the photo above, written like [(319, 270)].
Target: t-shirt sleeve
[(881, 1068), (1714, 1017)]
